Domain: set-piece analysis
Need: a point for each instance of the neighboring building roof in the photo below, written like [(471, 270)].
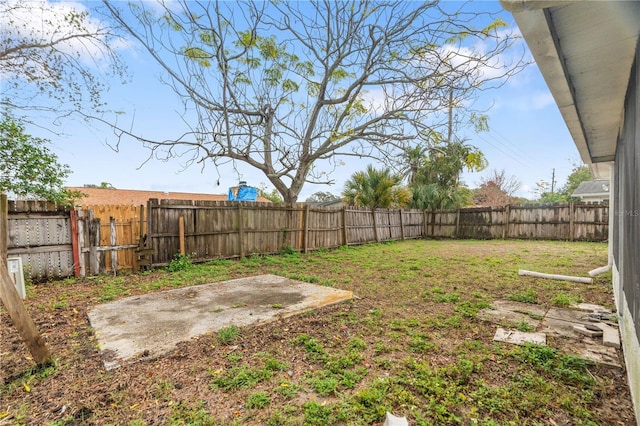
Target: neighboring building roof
[(331, 203), (592, 188), (98, 196), (585, 51)]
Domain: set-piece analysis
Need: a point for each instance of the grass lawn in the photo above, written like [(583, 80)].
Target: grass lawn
[(409, 343)]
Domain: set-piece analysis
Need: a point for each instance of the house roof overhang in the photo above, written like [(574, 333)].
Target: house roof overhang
[(585, 51)]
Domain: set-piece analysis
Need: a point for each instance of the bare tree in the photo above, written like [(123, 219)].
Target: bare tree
[(289, 87), (496, 189), (509, 184), (54, 57)]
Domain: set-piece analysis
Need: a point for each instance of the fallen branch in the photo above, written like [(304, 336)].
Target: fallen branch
[(556, 277)]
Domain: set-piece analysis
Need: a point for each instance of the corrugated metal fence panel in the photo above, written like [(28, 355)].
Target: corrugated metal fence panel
[(40, 233)]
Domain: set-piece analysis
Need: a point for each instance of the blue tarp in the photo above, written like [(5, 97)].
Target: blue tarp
[(243, 193)]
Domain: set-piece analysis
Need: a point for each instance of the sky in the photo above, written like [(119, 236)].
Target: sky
[(527, 137)]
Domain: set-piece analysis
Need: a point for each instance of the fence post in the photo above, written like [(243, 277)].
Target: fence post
[(73, 218), (81, 221), (114, 242), (181, 233), (571, 221), (301, 232), (306, 229), (240, 231), (505, 225), (375, 225), (457, 223), (401, 226), (425, 223), (344, 227), (433, 223), (94, 242), (141, 230)]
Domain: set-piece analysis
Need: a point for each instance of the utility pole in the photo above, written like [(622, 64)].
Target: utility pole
[(450, 128), (553, 180)]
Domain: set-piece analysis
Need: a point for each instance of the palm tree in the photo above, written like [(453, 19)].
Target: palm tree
[(375, 188), (413, 158), (435, 197)]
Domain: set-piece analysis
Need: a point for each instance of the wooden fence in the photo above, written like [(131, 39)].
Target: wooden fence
[(56, 242), (208, 230), (569, 222), (119, 227)]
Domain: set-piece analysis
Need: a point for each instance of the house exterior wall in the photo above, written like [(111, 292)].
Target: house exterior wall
[(626, 232)]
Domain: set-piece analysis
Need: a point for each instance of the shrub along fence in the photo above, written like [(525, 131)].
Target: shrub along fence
[(55, 242)]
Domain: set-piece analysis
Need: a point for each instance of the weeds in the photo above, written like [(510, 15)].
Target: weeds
[(227, 335), (564, 299), (180, 262), (260, 399), (527, 296)]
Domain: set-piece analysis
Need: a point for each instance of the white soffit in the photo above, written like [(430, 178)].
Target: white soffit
[(585, 51)]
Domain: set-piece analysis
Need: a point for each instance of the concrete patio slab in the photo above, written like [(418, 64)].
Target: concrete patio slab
[(151, 325)]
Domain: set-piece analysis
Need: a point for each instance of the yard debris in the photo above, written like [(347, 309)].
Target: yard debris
[(606, 317), (556, 276), (582, 329), (597, 353), (591, 307), (519, 337), (610, 335), (392, 420)]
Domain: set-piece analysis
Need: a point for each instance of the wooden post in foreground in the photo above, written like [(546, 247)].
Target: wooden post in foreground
[(20, 317)]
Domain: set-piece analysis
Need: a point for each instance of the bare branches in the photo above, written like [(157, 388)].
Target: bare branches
[(281, 85), (53, 57)]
